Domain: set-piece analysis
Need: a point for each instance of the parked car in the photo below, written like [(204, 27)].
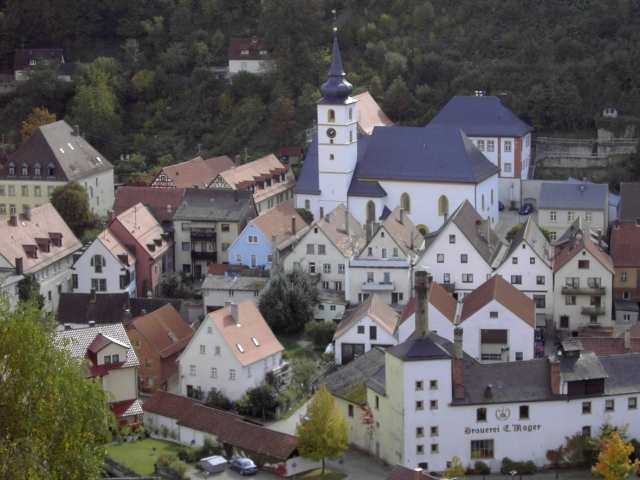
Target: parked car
[(526, 209), (244, 466), (500, 206), (214, 464)]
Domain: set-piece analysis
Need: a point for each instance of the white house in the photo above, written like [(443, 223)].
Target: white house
[(249, 55), (583, 282), (528, 266), (463, 253), (499, 322), (232, 350), (39, 243), (430, 402), (371, 324), (105, 266), (393, 166), (497, 132), (327, 247), (218, 290), (384, 266), (112, 361)]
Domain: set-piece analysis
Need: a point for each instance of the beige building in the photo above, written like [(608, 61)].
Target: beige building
[(112, 361), (54, 155), (39, 243)]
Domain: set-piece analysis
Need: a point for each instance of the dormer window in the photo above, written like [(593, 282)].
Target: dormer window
[(37, 170), (12, 169), (51, 170), (32, 62), (24, 170), (244, 52)]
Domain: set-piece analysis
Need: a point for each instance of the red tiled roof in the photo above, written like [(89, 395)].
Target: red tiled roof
[(167, 404), (162, 202), (164, 329), (603, 345), (126, 408), (496, 288), (625, 245), (252, 46), (566, 251), (439, 297), (197, 172)]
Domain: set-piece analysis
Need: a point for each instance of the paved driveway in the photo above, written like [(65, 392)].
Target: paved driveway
[(358, 466), (194, 474)]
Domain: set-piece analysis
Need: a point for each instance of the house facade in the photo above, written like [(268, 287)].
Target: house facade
[(232, 350), (390, 167), (498, 133), (583, 283), (625, 253), (205, 226), (249, 55), (54, 155), (39, 243), (141, 234), (105, 266)]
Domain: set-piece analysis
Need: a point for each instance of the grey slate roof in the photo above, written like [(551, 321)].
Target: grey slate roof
[(430, 154), (474, 228), (235, 282), (576, 196), (415, 348), (216, 205), (358, 372), (623, 373), (481, 116), (586, 366)]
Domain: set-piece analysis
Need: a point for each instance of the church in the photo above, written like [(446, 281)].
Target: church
[(427, 171)]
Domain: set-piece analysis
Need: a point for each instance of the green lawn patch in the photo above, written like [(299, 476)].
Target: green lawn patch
[(316, 474), (141, 455), (293, 349)]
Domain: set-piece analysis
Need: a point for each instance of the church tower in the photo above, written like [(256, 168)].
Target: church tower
[(337, 134)]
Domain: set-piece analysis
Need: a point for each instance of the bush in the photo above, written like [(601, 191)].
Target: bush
[(260, 401), (217, 399), (164, 431), (481, 468), (172, 462), (456, 469), (320, 333), (207, 449), (523, 468)]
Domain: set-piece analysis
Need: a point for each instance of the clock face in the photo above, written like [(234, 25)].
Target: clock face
[(331, 132)]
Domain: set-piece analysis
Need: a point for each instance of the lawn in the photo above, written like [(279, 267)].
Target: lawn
[(294, 349), (315, 474), (141, 455)]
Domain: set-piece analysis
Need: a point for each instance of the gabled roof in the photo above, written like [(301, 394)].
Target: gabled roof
[(197, 172), (625, 245), (439, 297), (216, 205), (101, 341), (277, 222), (496, 288), (161, 202), (424, 154), (165, 330), (403, 231), (77, 341), (376, 309), (31, 235), (334, 226), (349, 380), (241, 176), (532, 235), (481, 116), (57, 143), (370, 114), (417, 348), (250, 48), (629, 201), (22, 57), (570, 195), (573, 244), (234, 282), (252, 333), (117, 249), (145, 229), (104, 308)]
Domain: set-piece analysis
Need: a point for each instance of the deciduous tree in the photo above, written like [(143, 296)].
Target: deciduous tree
[(72, 203), (613, 459), (38, 117), (322, 432)]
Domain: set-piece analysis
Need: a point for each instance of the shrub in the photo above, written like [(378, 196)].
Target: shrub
[(523, 468), (481, 468), (207, 449), (164, 431), (217, 399), (261, 401), (320, 333), (456, 469), (172, 462)]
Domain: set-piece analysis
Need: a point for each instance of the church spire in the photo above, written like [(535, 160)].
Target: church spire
[(336, 88)]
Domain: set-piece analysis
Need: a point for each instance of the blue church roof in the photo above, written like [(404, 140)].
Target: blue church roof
[(481, 116), (436, 153)]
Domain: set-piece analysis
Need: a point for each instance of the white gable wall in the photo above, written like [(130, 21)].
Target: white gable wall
[(383, 337), (111, 272), (438, 324)]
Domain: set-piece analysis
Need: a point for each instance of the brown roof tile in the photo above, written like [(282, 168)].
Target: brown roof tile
[(440, 298), (164, 329), (496, 288), (603, 345), (403, 231), (252, 45), (197, 172), (277, 222), (333, 225), (625, 245), (162, 202), (370, 114), (373, 307), (145, 229), (565, 251), (168, 404)]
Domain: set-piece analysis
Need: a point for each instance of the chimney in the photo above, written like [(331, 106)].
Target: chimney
[(554, 375), (421, 286), (346, 221), (458, 365), (13, 220), (92, 296), (627, 340), (293, 225), (233, 309), (401, 216), (27, 213), (19, 266), (92, 323)]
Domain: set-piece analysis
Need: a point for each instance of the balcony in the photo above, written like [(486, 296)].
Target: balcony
[(378, 286), (199, 255), (593, 311), (203, 234), (583, 291)]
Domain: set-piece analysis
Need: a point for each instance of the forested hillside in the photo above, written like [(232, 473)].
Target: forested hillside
[(145, 85)]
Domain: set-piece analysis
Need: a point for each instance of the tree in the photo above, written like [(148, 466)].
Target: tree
[(39, 116), (54, 421), (456, 469), (322, 432), (29, 291), (287, 304), (613, 459), (320, 333), (259, 401), (217, 399), (72, 203)]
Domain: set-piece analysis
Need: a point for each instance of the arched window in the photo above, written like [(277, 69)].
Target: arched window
[(24, 170), (482, 202), (443, 206), (51, 170), (37, 170), (97, 262), (331, 115), (371, 212), (405, 202), (12, 169)]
